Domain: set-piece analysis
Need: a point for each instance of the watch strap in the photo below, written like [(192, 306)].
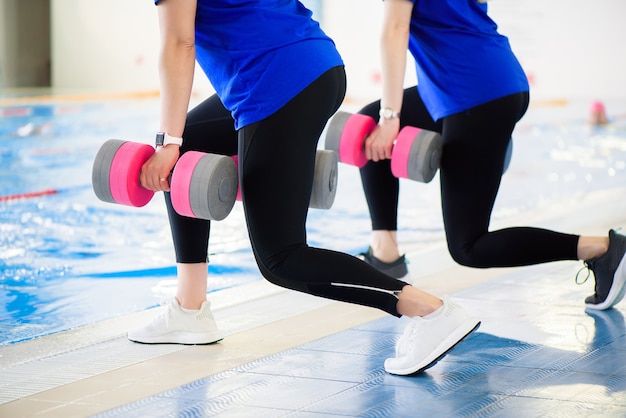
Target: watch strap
[(163, 139), (388, 113)]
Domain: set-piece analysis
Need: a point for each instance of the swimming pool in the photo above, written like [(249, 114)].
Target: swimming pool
[(68, 259)]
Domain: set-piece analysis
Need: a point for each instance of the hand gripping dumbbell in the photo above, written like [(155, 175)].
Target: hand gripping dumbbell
[(202, 185), (324, 180), (415, 155)]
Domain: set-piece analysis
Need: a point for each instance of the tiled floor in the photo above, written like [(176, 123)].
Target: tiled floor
[(538, 353)]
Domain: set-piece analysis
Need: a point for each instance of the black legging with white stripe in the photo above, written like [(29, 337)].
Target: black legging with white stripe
[(276, 166), (474, 147)]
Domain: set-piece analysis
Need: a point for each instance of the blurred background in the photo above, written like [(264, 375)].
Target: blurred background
[(569, 48), (74, 73)]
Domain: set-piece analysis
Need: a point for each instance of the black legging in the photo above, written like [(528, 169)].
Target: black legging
[(474, 148), (276, 166)]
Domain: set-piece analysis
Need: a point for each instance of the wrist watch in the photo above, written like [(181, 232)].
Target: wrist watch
[(388, 113), (163, 139)]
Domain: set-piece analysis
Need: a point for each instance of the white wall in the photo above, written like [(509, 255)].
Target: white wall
[(104, 45), (569, 48), (354, 25)]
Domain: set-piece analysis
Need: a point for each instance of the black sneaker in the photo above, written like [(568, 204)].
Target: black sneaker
[(396, 269), (610, 274)]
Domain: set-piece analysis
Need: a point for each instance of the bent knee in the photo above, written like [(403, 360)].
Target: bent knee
[(465, 257), (274, 274)]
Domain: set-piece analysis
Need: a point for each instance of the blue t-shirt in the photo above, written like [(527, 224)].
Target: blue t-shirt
[(259, 55), (461, 59)]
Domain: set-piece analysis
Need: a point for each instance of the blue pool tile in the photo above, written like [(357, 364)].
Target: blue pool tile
[(356, 341), (320, 365), (601, 361), (580, 387), (549, 358), (516, 407), (378, 399)]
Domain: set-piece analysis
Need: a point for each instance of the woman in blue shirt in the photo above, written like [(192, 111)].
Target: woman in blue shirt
[(472, 90), (278, 79)]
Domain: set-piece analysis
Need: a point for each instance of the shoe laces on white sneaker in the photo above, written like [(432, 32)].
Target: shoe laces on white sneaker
[(425, 341), (403, 341), (175, 326)]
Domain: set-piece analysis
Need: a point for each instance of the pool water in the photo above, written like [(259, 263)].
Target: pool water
[(68, 259)]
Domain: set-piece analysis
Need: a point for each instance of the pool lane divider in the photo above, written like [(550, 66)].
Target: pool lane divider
[(167, 271), (39, 193)]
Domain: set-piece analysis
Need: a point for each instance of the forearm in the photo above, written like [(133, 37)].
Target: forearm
[(176, 67), (176, 62), (394, 44), (176, 70)]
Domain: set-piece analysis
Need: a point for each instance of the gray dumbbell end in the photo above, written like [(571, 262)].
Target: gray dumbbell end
[(101, 170), (213, 187), (334, 130), (425, 156), (325, 180)]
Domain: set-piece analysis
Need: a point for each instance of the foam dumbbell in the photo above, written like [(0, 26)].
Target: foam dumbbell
[(201, 185), (204, 185), (324, 180), (415, 155), (115, 173)]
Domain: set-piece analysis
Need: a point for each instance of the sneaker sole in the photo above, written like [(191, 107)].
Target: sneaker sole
[(180, 338), (459, 334), (616, 294)]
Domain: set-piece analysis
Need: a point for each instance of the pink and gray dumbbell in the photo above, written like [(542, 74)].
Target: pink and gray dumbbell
[(202, 185), (415, 155)]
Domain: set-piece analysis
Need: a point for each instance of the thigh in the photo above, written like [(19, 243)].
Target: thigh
[(474, 148), (210, 128), (277, 160)]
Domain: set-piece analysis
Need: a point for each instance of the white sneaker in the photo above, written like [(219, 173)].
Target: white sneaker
[(425, 341), (174, 326), (402, 344)]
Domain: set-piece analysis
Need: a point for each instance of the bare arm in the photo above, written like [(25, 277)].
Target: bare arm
[(176, 71), (394, 43)]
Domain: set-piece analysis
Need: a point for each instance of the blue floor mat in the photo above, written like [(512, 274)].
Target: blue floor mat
[(538, 353)]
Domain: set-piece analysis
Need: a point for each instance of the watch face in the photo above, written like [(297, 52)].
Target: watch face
[(387, 113), (160, 138)]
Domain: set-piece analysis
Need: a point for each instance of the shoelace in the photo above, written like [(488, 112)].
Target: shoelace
[(413, 331), (164, 311), (589, 268)]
